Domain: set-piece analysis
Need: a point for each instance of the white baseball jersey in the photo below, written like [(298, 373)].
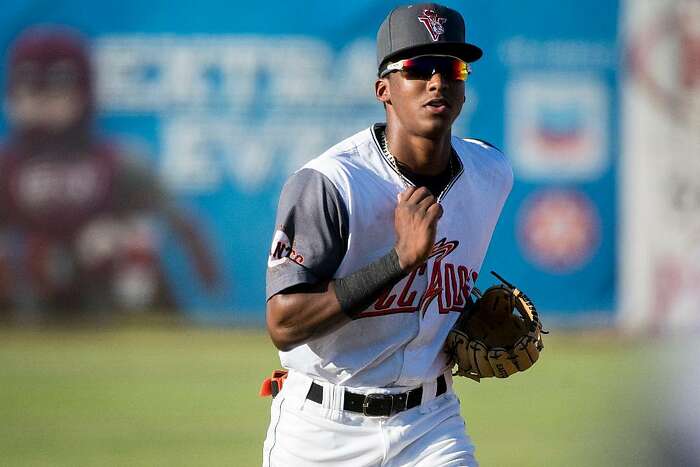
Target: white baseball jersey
[(336, 215)]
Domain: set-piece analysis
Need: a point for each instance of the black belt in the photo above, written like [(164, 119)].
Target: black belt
[(379, 405)]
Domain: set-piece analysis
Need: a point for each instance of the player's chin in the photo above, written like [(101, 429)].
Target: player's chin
[(435, 126)]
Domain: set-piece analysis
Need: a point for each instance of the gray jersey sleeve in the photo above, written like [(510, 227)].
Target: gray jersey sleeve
[(311, 233)]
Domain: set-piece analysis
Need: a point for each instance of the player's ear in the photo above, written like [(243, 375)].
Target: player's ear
[(381, 90)]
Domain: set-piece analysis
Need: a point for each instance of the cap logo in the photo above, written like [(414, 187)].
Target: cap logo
[(433, 23)]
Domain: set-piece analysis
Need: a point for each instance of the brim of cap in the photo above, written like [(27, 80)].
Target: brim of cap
[(467, 52)]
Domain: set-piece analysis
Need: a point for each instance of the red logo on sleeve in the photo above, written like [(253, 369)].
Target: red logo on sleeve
[(282, 250)]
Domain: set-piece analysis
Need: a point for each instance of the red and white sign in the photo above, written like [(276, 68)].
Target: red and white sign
[(559, 230), (660, 235)]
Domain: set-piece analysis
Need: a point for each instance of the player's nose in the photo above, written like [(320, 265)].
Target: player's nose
[(437, 82)]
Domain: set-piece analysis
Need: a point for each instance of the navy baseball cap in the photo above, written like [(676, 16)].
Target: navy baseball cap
[(423, 29)]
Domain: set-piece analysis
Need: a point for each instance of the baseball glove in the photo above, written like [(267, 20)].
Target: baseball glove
[(490, 339)]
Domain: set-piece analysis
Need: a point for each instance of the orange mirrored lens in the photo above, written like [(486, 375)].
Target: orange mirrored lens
[(425, 67)]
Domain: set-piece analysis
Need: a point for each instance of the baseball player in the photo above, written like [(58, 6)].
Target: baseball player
[(378, 243)]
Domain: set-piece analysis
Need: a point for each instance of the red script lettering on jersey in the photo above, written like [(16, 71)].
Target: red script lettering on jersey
[(448, 282)]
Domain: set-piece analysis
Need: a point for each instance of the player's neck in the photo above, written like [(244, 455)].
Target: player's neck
[(423, 156)]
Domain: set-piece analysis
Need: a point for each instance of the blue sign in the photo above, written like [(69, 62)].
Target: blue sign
[(227, 100)]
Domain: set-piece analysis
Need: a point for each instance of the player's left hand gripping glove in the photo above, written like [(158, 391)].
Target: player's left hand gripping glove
[(490, 339)]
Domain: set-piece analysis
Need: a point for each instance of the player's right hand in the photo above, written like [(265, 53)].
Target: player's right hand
[(415, 222)]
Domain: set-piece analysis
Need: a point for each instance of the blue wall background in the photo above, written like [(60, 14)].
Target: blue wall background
[(227, 99)]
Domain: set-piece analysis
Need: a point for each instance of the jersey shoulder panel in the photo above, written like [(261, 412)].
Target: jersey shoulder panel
[(348, 152), (311, 232), (348, 161), (486, 157)]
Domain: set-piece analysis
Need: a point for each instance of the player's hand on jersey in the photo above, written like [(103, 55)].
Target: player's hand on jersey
[(415, 221)]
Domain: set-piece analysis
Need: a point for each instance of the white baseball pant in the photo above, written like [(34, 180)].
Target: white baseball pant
[(305, 433)]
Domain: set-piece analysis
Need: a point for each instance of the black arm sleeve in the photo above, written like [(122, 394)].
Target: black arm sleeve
[(358, 290)]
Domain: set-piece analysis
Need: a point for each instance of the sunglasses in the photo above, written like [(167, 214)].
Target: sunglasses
[(425, 66)]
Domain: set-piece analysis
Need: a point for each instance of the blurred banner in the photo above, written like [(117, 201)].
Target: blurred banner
[(226, 100), (661, 168)]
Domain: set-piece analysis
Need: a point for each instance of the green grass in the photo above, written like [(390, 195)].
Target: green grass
[(171, 396)]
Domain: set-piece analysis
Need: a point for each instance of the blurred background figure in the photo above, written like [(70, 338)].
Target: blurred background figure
[(660, 188), (79, 216)]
